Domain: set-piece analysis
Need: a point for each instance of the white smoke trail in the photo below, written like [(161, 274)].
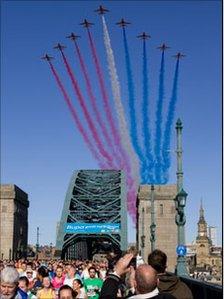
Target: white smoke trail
[(125, 138)]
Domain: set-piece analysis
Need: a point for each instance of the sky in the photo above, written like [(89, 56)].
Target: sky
[(40, 145)]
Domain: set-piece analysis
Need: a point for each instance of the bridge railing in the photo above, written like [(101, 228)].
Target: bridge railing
[(202, 289)]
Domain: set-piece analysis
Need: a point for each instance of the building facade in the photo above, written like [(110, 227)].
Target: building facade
[(165, 229), (13, 222), (204, 257)]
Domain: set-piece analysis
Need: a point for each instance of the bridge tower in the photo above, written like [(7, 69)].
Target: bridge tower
[(94, 216)]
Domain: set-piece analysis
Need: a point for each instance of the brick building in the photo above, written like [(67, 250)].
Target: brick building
[(166, 228), (13, 222)]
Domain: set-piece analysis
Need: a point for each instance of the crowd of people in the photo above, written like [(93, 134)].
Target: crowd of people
[(91, 279)]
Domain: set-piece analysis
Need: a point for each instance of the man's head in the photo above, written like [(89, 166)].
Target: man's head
[(9, 282), (158, 260), (92, 272), (42, 272), (23, 283), (145, 279), (23, 266), (66, 292), (71, 271)]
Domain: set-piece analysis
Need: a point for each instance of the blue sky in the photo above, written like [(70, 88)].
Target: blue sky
[(40, 145)]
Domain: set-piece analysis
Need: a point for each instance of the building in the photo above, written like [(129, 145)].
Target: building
[(94, 216), (13, 222), (206, 256), (166, 228), (204, 259)]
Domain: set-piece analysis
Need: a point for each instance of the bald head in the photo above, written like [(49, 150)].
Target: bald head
[(146, 279)]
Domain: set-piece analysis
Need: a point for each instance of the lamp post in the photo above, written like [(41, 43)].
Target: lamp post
[(153, 225), (180, 219), (37, 244), (143, 235), (180, 203)]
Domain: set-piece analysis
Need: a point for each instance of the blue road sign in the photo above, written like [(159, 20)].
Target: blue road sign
[(181, 250)]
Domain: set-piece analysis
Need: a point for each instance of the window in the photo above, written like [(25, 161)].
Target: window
[(161, 209)]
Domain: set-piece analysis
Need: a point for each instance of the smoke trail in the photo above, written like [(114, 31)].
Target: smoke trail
[(103, 92), (158, 134), (169, 122), (86, 113), (132, 195), (125, 139), (133, 127), (76, 118), (94, 106), (147, 168)]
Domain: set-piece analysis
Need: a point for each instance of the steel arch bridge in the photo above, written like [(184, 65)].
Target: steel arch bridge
[(94, 216)]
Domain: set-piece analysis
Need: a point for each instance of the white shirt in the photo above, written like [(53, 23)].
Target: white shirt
[(152, 294)]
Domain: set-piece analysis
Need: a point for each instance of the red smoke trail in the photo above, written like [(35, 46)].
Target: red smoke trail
[(76, 118), (94, 103), (86, 113), (103, 91), (131, 195)]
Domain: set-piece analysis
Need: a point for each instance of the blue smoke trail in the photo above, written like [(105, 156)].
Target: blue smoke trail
[(147, 167), (158, 133), (133, 126), (169, 122)]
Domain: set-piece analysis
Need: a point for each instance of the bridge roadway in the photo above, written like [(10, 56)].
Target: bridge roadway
[(203, 290)]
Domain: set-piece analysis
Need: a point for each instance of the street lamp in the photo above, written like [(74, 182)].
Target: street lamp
[(153, 225), (180, 219), (143, 235)]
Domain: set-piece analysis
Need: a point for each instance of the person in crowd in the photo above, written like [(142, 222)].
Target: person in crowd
[(71, 275), (145, 281), (58, 280), (24, 286), (29, 269), (168, 283), (9, 283), (103, 269), (22, 270), (46, 292), (85, 270), (79, 289), (41, 273), (146, 284), (66, 292), (29, 275), (93, 284), (51, 272)]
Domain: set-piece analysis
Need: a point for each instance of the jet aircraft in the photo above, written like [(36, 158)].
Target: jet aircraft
[(163, 47), (101, 10), (179, 55), (47, 57), (122, 23), (73, 37), (143, 36), (59, 47), (86, 24)]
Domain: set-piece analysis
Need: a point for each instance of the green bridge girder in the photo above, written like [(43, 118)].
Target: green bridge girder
[(93, 197)]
